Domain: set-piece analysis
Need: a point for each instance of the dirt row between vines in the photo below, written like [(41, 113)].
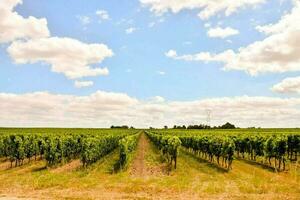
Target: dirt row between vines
[(140, 167)]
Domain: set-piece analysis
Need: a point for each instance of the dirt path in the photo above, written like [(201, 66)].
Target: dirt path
[(141, 166), (138, 167)]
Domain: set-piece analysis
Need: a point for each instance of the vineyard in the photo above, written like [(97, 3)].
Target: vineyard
[(76, 159), (59, 148), (270, 148)]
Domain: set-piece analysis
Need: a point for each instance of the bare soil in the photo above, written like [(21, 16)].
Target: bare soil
[(139, 167)]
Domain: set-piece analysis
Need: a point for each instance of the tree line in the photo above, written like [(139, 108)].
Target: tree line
[(227, 125)]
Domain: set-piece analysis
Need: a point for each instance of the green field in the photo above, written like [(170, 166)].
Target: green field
[(145, 173)]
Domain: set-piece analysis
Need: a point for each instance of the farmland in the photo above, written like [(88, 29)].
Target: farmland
[(131, 163)]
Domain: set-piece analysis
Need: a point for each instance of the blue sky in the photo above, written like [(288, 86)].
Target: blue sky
[(142, 52), (140, 67)]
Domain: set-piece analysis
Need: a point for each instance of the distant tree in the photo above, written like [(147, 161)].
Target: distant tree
[(201, 126), (120, 127), (165, 127), (228, 126), (179, 127)]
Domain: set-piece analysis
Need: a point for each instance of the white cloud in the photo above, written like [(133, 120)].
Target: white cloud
[(102, 109), (130, 30), (65, 55), (102, 14), (31, 42), (158, 99), (171, 53), (13, 26), (207, 25), (208, 8), (278, 52), (46, 109), (203, 56), (84, 20), (219, 32), (161, 72), (288, 85), (81, 84)]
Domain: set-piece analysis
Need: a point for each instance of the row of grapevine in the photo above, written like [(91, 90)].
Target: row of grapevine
[(211, 148), (293, 142), (19, 147), (127, 145), (169, 145), (94, 148), (272, 147), (57, 148)]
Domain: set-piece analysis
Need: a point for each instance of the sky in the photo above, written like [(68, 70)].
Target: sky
[(149, 63)]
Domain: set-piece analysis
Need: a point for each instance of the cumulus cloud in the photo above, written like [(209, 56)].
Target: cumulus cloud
[(219, 32), (46, 109), (288, 85), (103, 109), (277, 53), (102, 14), (130, 30), (30, 42), (208, 8), (81, 84), (13, 26), (65, 55)]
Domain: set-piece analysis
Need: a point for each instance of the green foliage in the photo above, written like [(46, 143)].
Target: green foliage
[(278, 147), (169, 146), (59, 147), (274, 146), (53, 150), (211, 148), (56, 146), (227, 125), (127, 145), (2, 148), (94, 148)]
